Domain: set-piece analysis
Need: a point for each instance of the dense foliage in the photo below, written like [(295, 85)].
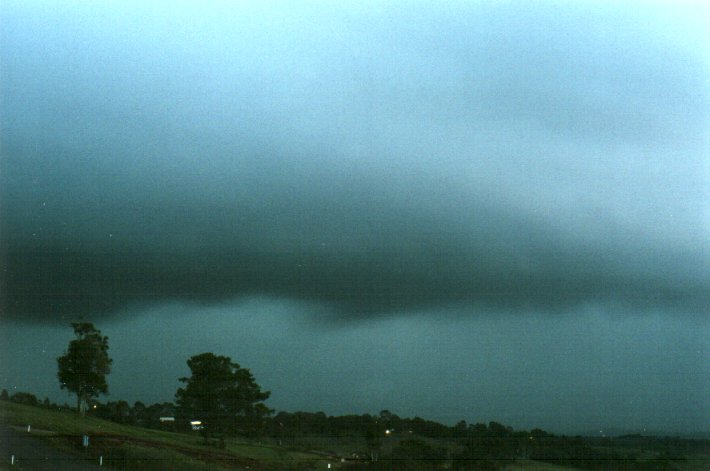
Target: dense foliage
[(85, 364), (222, 395)]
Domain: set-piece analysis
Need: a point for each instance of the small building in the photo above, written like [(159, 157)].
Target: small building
[(167, 422)]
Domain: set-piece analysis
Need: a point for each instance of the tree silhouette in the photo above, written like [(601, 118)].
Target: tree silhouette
[(221, 394), (85, 364)]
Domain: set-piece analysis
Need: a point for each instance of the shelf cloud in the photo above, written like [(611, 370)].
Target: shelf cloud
[(373, 161)]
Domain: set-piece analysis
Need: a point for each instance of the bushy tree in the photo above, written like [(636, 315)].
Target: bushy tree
[(25, 398), (138, 413), (115, 411), (85, 364), (221, 394)]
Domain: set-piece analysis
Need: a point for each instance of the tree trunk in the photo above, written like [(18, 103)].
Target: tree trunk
[(81, 405)]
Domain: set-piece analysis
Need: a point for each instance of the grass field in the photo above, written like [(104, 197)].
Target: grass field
[(528, 465), (127, 447), (141, 449)]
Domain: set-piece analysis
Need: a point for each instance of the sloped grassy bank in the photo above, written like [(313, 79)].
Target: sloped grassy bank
[(127, 447)]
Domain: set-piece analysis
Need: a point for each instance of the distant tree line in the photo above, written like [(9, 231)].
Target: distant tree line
[(301, 424), (30, 399), (139, 414)]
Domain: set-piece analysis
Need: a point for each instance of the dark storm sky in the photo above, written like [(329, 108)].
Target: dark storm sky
[(481, 212)]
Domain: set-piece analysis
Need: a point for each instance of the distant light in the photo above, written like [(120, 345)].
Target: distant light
[(94, 406), (388, 431), (196, 425)]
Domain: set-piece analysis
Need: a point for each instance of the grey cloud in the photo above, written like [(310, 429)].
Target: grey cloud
[(474, 156)]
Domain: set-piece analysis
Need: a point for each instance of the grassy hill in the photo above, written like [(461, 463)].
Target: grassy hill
[(127, 447), (142, 449)]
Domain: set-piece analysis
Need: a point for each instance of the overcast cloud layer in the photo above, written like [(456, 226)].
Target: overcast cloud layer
[(370, 205), (369, 158)]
